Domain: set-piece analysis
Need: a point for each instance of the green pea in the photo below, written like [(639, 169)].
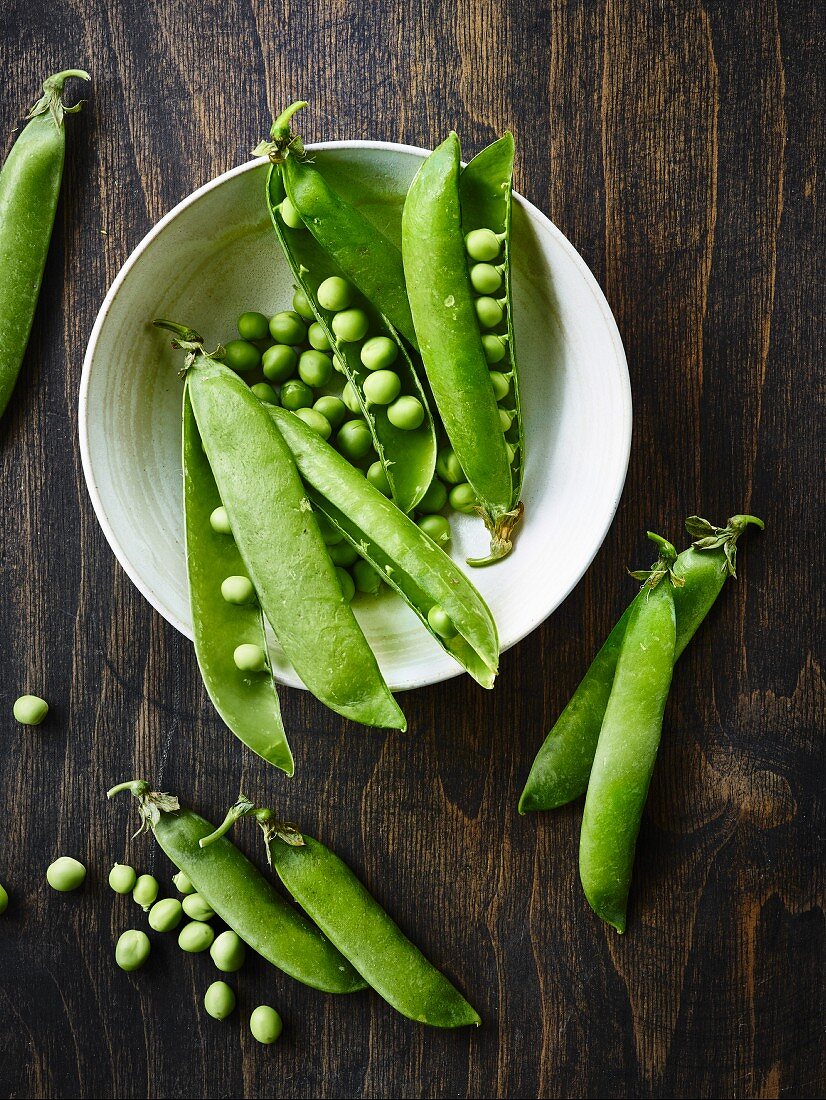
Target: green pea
[(494, 347), (334, 294), (436, 527), (183, 883), (379, 352), (406, 413), (253, 326), (332, 409), (482, 244), (30, 710), (249, 657), (132, 949), (228, 952), (382, 387), (350, 398), (65, 874), (219, 1001), (314, 419), (485, 278), (441, 623), (317, 336), (348, 587), (343, 553), (377, 476), (500, 383), (338, 364), (354, 439), (279, 362), (350, 326), (505, 419), (366, 578), (242, 356), (145, 891), (264, 392), (237, 590), (463, 498), (219, 521), (435, 497), (196, 936), (4, 899), (165, 915), (511, 452), (331, 535), (296, 394), (288, 328), (197, 907), (315, 368), (448, 466), (265, 1024), (489, 311), (301, 305), (289, 215), (122, 878)]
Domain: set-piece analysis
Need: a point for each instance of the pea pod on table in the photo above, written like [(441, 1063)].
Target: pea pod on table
[(281, 546), (445, 313), (560, 771), (241, 896), (29, 190), (404, 556)]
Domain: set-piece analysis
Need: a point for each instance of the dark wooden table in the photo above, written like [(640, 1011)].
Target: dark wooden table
[(677, 145)]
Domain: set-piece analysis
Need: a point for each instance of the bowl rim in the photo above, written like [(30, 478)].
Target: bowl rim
[(625, 409)]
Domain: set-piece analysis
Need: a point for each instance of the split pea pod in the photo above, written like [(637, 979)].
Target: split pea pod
[(627, 747), (559, 773), (404, 556), (247, 703), (450, 340), (241, 896), (281, 546), (29, 190)]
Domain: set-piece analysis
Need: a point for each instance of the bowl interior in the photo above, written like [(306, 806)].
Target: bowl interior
[(216, 255)]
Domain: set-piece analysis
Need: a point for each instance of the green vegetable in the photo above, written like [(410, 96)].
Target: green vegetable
[(165, 915), (383, 387), (265, 1024), (318, 337), (219, 1001), (334, 294), (489, 312), (354, 439), (494, 348), (463, 498), (406, 413), (264, 392), (448, 466), (250, 657), (436, 528), (342, 553), (485, 279), (253, 326), (65, 874), (237, 590), (301, 303), (195, 937), (482, 244), (228, 952), (501, 385), (197, 907), (347, 583), (379, 352), (315, 420), (291, 216), (279, 362), (132, 949), (241, 356), (122, 878), (296, 394), (288, 328), (219, 520), (4, 899), (315, 368), (145, 891), (30, 710), (378, 478), (441, 623), (350, 326), (332, 409), (29, 190), (435, 498), (366, 578), (182, 883)]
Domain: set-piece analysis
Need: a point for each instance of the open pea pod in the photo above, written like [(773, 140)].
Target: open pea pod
[(248, 704), (407, 559), (450, 340), (486, 197)]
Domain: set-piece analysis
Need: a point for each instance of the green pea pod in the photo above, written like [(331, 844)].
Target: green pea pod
[(405, 557), (247, 703), (241, 896), (559, 773), (280, 543), (442, 303), (29, 191), (486, 196), (626, 753)]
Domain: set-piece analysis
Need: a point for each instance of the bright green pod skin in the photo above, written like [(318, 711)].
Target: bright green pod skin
[(442, 302), (560, 772), (247, 902), (405, 557), (626, 752), (256, 477), (349, 915), (29, 190), (248, 704)]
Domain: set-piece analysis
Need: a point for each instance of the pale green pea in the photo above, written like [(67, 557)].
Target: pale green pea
[(165, 915), (501, 385), (197, 907), (228, 952), (264, 392), (30, 710), (489, 312), (237, 590), (315, 368), (379, 352), (343, 553), (482, 245), (463, 498), (436, 527), (65, 874), (219, 1001), (241, 356), (318, 338), (219, 521), (366, 578), (350, 326), (331, 534), (382, 387), (145, 891), (441, 623), (132, 949), (348, 588), (505, 419), (122, 878), (494, 347), (253, 326), (332, 409), (448, 466), (485, 278), (288, 328), (315, 420), (406, 413), (183, 883), (377, 476), (265, 1024), (350, 398), (354, 439), (296, 395), (301, 303), (289, 215), (334, 294), (196, 937), (249, 657)]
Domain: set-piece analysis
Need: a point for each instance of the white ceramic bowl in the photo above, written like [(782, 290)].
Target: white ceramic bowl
[(216, 255)]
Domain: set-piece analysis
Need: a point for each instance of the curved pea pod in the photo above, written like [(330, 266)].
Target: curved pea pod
[(29, 191), (282, 548), (560, 771), (352, 919), (241, 896), (442, 303), (247, 703), (486, 197), (408, 457), (405, 557)]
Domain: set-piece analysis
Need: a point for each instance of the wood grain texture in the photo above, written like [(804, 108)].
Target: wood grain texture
[(678, 146)]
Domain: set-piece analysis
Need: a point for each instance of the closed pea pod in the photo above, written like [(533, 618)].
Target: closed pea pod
[(29, 190)]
